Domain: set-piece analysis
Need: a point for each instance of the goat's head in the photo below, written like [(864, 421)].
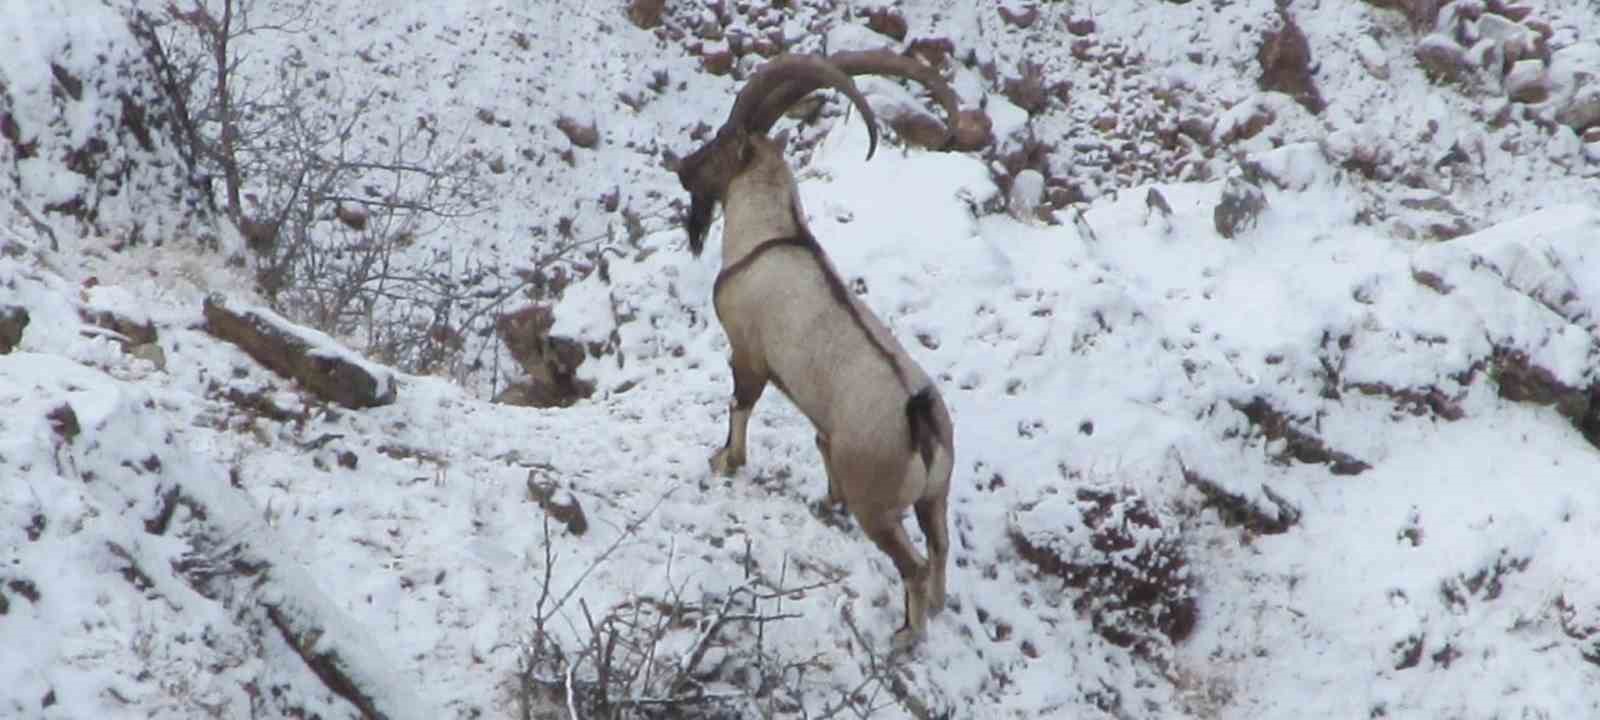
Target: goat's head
[(770, 91)]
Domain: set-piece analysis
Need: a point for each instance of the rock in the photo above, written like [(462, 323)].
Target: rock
[(933, 51), (1244, 121), (1527, 82), (1361, 151), (1080, 25), (151, 352), (583, 135), (551, 362), (64, 422), (1421, 13), (1083, 49), (1515, 40), (1236, 510), (322, 367), (355, 217), (646, 13), (1157, 203), (974, 130), (1197, 128), (1027, 90), (1514, 13), (1239, 208), (1581, 110), (918, 129), (1298, 442), (1027, 189), (1442, 58), (887, 21), (1565, 147), (131, 332), (1518, 379), (13, 320), (768, 45), (1023, 17), (1285, 58), (717, 62), (558, 503)]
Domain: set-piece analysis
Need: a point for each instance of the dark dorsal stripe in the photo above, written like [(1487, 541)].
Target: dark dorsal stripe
[(836, 287)]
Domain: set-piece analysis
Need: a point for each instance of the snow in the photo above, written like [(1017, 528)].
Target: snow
[(1118, 363)]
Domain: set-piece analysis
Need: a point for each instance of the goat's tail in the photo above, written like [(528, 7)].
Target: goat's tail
[(929, 422)]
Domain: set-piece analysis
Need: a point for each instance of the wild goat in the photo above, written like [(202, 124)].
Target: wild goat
[(882, 427)]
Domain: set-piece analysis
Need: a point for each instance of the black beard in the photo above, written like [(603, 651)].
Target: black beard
[(701, 207)]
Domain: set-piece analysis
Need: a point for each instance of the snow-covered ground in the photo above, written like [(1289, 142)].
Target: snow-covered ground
[(1366, 451)]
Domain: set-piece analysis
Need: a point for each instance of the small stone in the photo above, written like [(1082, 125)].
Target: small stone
[(1197, 129), (583, 135), (1285, 58), (1528, 82), (717, 62), (1027, 189), (1514, 13), (1156, 202), (887, 21), (1441, 57), (1022, 18), (646, 13), (1591, 151), (557, 502), (1080, 25), (974, 130), (150, 352), (1239, 208), (1027, 90), (1581, 109), (13, 320), (933, 51), (919, 129)]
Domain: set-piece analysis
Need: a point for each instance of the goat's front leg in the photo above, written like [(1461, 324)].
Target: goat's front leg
[(748, 384)]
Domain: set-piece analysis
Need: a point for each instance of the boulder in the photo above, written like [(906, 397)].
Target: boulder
[(322, 366)]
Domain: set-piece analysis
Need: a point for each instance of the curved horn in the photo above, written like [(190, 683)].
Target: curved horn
[(864, 62), (759, 105)]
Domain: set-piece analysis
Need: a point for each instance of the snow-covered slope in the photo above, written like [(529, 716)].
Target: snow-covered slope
[(1352, 472)]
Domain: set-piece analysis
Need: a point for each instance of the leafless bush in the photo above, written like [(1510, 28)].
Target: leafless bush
[(333, 201), (669, 655)]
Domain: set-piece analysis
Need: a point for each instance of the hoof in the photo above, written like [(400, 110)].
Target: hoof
[(725, 464), (833, 516), (906, 639)]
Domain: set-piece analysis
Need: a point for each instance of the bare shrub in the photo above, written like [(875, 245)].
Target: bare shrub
[(335, 202), (668, 655)]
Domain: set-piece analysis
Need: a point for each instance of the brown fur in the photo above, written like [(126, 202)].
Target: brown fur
[(883, 430)]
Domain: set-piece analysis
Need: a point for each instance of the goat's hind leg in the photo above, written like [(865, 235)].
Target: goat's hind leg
[(890, 536), (931, 517), (748, 384)]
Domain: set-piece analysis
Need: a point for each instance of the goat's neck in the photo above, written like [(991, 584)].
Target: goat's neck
[(758, 209)]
